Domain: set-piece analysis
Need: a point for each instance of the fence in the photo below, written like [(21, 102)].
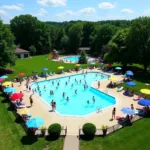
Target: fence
[(99, 132)]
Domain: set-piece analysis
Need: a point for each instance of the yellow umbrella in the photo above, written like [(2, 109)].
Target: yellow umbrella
[(77, 65), (23, 111), (60, 67), (145, 91), (113, 79), (7, 83)]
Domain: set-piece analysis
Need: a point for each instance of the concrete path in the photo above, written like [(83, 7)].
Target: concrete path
[(71, 143)]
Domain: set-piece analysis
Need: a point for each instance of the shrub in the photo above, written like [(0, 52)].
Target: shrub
[(83, 58), (54, 130), (89, 129)]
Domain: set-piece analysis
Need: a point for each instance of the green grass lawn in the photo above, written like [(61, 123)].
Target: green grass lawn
[(36, 64), (13, 137), (135, 137)]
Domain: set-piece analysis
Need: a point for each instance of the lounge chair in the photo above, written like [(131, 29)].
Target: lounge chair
[(70, 70), (120, 89), (47, 74), (138, 97), (63, 71), (126, 121), (50, 73), (37, 76)]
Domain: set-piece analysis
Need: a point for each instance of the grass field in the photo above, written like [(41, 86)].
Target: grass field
[(13, 137), (135, 137), (37, 63)]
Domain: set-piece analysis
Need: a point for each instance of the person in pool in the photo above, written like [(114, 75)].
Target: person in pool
[(75, 91), (67, 99), (63, 95), (88, 102), (93, 99)]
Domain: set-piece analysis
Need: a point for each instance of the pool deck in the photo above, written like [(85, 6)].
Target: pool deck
[(42, 109)]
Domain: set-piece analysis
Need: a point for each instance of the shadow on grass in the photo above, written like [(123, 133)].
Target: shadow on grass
[(51, 138), (29, 140), (86, 138)]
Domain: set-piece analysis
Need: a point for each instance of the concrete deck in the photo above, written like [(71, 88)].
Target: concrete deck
[(42, 109)]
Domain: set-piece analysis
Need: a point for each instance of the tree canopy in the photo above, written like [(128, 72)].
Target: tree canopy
[(7, 47)]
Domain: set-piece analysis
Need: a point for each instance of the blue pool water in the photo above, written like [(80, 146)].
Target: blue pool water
[(77, 104), (71, 58)]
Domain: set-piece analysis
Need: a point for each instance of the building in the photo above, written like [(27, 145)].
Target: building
[(21, 53)]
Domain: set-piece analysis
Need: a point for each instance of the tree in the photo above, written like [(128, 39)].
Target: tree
[(32, 49), (83, 58), (119, 50), (75, 37), (28, 31), (102, 38), (64, 42), (7, 47), (139, 40), (61, 33)]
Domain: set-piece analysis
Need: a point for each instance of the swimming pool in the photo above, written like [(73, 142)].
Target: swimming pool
[(77, 104), (74, 59)]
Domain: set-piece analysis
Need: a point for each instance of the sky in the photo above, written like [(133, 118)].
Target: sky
[(66, 10)]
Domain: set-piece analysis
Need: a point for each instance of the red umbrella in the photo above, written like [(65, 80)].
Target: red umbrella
[(2, 79), (21, 74), (16, 96), (108, 65)]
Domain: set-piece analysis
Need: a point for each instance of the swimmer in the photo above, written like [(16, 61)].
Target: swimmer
[(45, 87), (63, 95), (88, 102), (58, 84), (40, 93), (66, 83), (93, 99), (67, 99), (75, 91), (71, 85)]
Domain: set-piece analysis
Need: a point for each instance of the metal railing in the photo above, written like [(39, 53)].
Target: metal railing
[(99, 132)]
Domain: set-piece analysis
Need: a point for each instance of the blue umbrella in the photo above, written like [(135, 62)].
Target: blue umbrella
[(128, 111), (45, 69), (35, 122), (118, 68), (4, 77), (92, 63), (129, 73), (9, 90), (144, 102), (130, 83)]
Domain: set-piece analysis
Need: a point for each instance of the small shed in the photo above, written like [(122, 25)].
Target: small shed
[(21, 53)]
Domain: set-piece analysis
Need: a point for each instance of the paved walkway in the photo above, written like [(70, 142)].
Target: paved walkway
[(71, 143)]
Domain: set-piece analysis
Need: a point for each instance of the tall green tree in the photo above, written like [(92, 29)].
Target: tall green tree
[(139, 40), (118, 48), (64, 42), (32, 50), (104, 35), (28, 30), (7, 47), (75, 37), (83, 58)]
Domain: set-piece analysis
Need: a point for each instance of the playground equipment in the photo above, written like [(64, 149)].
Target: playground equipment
[(54, 55)]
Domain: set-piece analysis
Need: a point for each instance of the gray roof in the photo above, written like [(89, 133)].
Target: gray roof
[(84, 48)]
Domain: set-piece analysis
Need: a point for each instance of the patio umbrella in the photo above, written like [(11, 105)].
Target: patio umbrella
[(129, 73), (45, 69), (60, 67), (7, 83), (16, 96), (113, 79), (118, 68), (9, 90), (35, 122), (145, 91), (144, 102), (21, 74), (108, 65), (4, 77), (131, 83), (128, 111), (92, 63), (23, 111)]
